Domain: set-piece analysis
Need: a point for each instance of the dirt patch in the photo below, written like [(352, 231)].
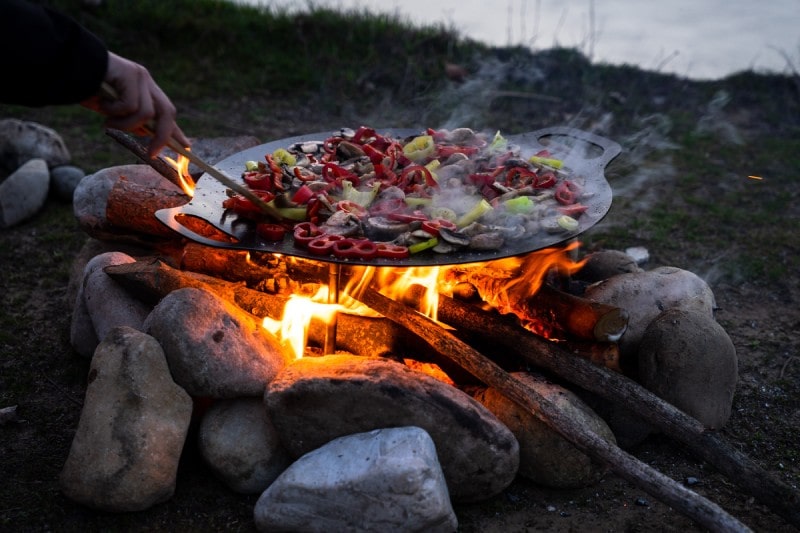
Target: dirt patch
[(681, 190)]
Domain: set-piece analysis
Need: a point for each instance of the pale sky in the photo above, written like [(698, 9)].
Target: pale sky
[(701, 39)]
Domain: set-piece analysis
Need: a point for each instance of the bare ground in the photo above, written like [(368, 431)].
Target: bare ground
[(723, 228)]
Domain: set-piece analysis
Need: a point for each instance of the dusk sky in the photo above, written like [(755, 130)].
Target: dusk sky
[(700, 39)]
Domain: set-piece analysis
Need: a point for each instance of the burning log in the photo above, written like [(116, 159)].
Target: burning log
[(548, 308), (152, 280), (265, 270), (708, 446), (131, 205), (625, 465)]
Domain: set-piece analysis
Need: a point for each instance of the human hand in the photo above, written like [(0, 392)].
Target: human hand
[(139, 103)]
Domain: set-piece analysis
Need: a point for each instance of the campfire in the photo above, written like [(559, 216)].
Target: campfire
[(348, 394)]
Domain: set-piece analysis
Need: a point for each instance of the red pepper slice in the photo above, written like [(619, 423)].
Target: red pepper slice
[(364, 135), (304, 233), (519, 176), (413, 174), (303, 195), (399, 216), (433, 226), (567, 192), (375, 155), (323, 245), (392, 251), (304, 175), (446, 150), (544, 181), (242, 206), (574, 210), (332, 172), (257, 180), (354, 249), (351, 207), (271, 232)]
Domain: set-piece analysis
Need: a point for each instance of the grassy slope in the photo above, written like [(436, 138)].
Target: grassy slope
[(681, 190)]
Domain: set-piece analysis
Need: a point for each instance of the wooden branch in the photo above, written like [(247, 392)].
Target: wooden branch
[(655, 483), (706, 445), (140, 151)]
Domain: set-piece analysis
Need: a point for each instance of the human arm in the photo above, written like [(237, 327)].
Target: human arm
[(50, 59)]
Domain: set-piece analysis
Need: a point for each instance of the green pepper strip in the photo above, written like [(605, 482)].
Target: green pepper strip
[(424, 245)]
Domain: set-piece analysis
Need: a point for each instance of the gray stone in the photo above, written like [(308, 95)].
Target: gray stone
[(22, 141), (545, 457), (382, 480), (24, 192), (108, 303), (239, 443), (317, 399), (604, 264), (688, 359), (215, 349), (125, 453), (644, 295), (64, 180)]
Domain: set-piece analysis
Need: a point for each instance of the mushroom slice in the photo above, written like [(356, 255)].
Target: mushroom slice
[(383, 229), (492, 240), (453, 237), (444, 248)]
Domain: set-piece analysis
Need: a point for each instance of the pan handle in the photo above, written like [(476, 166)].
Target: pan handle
[(605, 149), (168, 218)]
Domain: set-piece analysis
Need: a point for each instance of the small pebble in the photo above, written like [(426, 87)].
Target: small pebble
[(551, 509), (638, 254), (691, 481), (641, 502)]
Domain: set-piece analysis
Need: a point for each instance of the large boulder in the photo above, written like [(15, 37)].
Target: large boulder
[(21, 141), (382, 480), (644, 295), (134, 422), (688, 359), (317, 399), (215, 349)]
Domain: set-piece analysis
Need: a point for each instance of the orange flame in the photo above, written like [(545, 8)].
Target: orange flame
[(299, 311), (501, 283), (181, 165)]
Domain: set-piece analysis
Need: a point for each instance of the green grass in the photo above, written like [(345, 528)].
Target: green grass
[(206, 47)]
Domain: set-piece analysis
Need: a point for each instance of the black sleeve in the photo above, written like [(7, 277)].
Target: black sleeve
[(47, 58)]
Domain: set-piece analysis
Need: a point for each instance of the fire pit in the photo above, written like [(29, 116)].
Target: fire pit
[(406, 332)]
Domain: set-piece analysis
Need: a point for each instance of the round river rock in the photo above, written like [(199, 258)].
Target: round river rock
[(688, 359)]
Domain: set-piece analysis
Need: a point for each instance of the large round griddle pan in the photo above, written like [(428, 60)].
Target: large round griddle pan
[(585, 157)]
